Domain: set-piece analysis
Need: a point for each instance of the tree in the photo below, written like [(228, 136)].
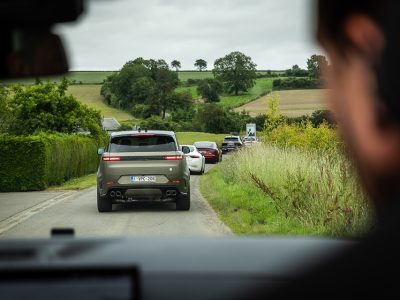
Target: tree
[(237, 71), (166, 82), (47, 107), (176, 64), (142, 86), (201, 64), (210, 89), (218, 123), (315, 65)]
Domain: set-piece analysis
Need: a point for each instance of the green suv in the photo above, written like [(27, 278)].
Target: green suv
[(142, 166)]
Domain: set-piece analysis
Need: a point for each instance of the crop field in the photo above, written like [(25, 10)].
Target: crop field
[(292, 103), (89, 94)]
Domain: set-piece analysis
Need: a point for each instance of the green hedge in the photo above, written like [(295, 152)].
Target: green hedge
[(296, 83), (29, 163)]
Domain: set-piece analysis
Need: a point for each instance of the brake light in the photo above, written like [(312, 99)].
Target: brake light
[(111, 158), (142, 134), (173, 157), (175, 181)]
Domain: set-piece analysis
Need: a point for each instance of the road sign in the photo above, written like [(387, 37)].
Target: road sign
[(251, 130)]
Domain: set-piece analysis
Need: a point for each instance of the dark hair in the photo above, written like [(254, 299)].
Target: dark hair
[(332, 14)]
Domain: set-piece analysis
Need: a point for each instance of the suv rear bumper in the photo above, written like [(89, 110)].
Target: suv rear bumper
[(135, 193)]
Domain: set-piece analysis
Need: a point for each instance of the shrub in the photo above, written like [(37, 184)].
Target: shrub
[(34, 162), (303, 136), (47, 107), (296, 83)]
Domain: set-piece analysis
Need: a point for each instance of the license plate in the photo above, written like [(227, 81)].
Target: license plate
[(143, 179)]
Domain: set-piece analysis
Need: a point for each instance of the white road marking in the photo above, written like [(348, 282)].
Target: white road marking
[(22, 216)]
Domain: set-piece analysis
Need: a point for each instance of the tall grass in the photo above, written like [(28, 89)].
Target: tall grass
[(286, 190)]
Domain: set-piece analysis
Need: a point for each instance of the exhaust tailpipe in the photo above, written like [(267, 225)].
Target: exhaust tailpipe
[(118, 194), (112, 194), (170, 193)]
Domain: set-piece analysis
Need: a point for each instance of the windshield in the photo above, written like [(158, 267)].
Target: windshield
[(154, 143), (204, 145), (196, 73)]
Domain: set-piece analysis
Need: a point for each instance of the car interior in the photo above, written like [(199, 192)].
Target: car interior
[(66, 266)]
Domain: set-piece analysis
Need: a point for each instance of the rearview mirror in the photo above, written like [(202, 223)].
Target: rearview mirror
[(100, 151), (33, 53)]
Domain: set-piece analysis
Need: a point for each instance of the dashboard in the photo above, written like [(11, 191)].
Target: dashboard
[(155, 268)]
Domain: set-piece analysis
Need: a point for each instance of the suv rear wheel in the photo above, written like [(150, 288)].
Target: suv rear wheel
[(183, 202), (103, 203)]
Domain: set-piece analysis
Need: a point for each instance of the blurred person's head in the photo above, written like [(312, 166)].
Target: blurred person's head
[(361, 39)]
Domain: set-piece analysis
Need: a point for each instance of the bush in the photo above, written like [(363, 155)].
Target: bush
[(296, 83), (157, 123), (303, 136), (33, 163), (47, 107)]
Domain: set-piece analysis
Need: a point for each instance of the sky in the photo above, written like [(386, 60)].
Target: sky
[(276, 34)]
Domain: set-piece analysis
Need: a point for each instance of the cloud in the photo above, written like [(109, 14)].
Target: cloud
[(276, 34)]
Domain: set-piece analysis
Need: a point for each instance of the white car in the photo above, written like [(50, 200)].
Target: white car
[(195, 160), (250, 141)]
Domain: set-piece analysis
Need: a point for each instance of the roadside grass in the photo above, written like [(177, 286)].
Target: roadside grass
[(79, 183), (293, 103), (188, 138), (89, 94), (287, 191), (262, 87)]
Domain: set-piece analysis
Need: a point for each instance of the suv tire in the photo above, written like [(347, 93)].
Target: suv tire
[(183, 201), (103, 203)]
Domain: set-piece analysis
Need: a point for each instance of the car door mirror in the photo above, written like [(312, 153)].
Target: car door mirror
[(185, 149), (100, 151)]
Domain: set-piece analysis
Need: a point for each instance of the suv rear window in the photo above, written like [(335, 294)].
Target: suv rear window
[(233, 139), (142, 143)]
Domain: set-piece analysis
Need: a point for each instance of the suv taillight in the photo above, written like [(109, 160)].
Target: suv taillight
[(173, 157), (111, 158)]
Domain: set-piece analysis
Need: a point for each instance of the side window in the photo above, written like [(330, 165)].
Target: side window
[(185, 149)]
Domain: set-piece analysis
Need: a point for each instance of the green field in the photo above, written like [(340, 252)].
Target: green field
[(97, 77), (89, 94), (191, 89), (262, 86), (185, 75), (77, 77), (188, 138)]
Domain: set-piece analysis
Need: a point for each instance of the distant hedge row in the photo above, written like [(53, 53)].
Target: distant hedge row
[(296, 83), (29, 163)]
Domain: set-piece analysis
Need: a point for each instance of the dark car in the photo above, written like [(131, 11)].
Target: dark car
[(231, 143), (210, 151)]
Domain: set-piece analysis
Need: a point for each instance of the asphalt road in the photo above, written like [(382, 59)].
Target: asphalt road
[(33, 214)]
